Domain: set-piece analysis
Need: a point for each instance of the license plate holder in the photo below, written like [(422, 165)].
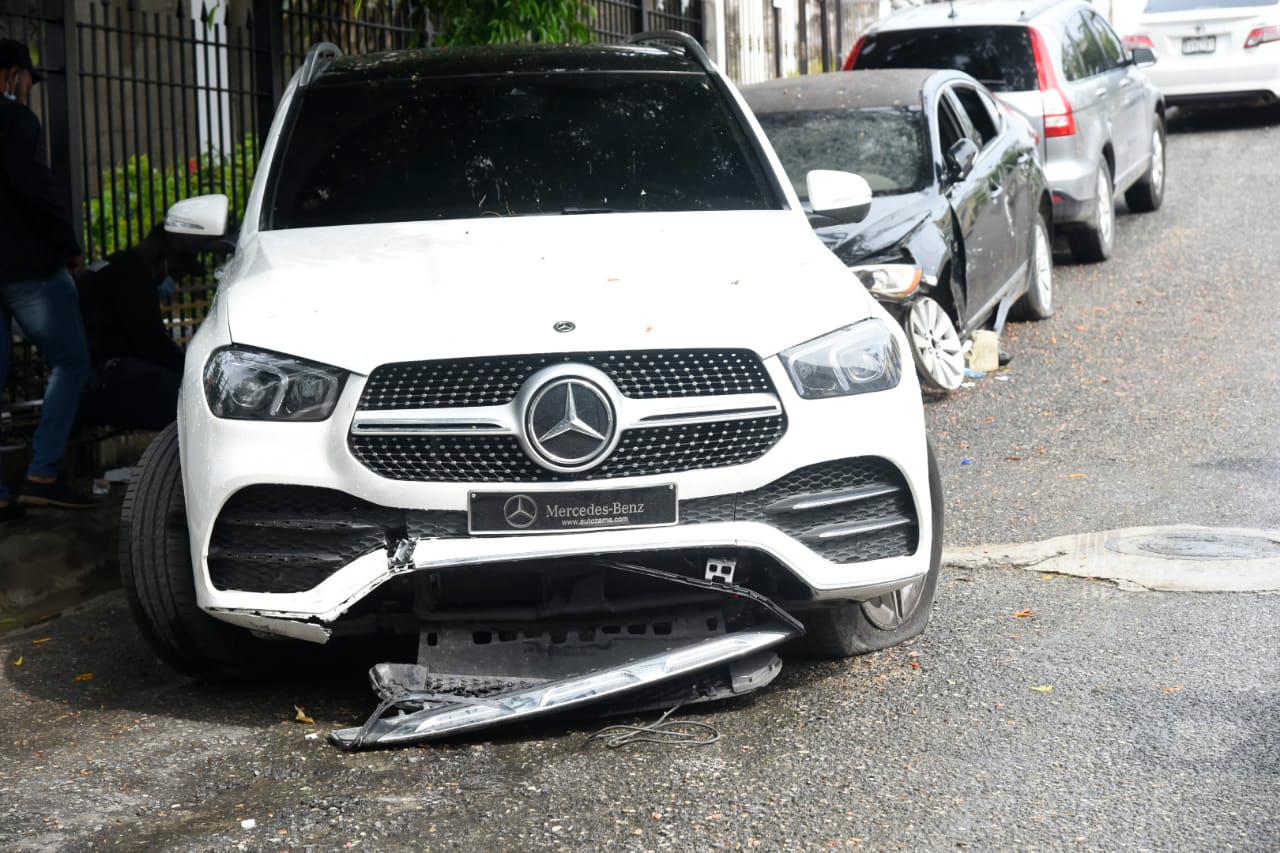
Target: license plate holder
[(1199, 44), (514, 513)]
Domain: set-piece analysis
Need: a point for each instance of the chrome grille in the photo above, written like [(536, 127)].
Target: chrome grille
[(500, 459), (641, 374)]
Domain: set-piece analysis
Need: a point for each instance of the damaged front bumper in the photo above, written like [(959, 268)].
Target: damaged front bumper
[(425, 714), (716, 643)]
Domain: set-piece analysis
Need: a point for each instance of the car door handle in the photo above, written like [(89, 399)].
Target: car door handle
[(1126, 82), (1100, 92)]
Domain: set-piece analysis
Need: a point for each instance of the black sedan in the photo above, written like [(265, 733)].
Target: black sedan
[(960, 227)]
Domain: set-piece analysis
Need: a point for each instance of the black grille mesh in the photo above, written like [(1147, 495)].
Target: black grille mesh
[(826, 477), (500, 459), (290, 538), (495, 381)]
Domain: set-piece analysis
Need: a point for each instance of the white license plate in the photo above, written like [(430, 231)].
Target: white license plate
[(1200, 44)]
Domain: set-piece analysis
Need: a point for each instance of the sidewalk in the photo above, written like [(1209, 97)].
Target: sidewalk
[(54, 559)]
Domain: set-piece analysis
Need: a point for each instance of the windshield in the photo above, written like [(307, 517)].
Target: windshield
[(886, 146), (515, 145), (999, 57), (1190, 5)]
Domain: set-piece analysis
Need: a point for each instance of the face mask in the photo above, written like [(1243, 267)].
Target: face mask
[(9, 96), (168, 287)]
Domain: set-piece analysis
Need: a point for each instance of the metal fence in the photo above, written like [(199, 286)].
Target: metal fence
[(150, 101), (781, 38)]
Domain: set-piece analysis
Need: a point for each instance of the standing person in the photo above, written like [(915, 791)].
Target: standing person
[(38, 250)]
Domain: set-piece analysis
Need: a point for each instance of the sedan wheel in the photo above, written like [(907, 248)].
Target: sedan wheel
[(935, 345)]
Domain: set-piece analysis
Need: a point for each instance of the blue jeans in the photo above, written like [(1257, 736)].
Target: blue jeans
[(48, 312)]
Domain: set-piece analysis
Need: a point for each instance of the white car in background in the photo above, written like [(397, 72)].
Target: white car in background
[(1212, 52)]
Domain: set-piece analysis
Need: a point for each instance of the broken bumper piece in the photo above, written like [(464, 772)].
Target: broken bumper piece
[(423, 715)]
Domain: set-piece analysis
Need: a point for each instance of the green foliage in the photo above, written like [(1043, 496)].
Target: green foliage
[(134, 196), (462, 22), (504, 21)]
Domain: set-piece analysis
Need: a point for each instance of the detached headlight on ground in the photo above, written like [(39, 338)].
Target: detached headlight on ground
[(857, 359), (892, 281), (246, 384)]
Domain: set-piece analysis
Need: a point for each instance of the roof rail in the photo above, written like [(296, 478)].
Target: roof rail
[(318, 57), (683, 40)]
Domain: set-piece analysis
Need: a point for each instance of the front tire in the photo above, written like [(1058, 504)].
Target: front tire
[(1148, 193), (935, 345), (1037, 302), (860, 627), (1096, 242), (155, 568)]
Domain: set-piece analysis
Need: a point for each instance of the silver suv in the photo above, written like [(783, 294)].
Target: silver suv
[(1059, 63)]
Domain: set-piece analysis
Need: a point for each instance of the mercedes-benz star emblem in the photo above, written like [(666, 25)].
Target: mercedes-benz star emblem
[(569, 423), (520, 511), (564, 326)]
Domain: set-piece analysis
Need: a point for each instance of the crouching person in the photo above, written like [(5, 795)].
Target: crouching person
[(137, 367)]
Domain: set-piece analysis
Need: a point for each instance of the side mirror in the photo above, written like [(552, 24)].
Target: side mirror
[(1143, 57), (840, 195), (960, 158), (204, 216)]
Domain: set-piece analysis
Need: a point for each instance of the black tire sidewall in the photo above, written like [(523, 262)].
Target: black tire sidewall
[(157, 574)]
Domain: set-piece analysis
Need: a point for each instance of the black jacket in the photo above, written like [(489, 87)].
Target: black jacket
[(121, 310), (36, 235)]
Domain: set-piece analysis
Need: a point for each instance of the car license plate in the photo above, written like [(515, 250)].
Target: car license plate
[(1200, 44), (572, 511)]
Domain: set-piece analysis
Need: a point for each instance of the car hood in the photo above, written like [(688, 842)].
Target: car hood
[(360, 296), (892, 219)]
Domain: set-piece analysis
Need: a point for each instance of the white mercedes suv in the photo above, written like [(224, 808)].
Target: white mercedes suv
[(527, 353)]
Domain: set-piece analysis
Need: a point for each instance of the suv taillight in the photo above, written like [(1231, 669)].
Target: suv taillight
[(1139, 40), (1262, 35), (1059, 119), (853, 54)]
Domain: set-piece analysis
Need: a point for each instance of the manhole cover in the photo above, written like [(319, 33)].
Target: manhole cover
[(1197, 546)]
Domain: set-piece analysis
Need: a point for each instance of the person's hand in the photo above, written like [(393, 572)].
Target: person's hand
[(77, 264)]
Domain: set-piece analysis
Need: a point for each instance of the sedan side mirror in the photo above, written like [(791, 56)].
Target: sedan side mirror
[(1143, 57), (961, 156), (843, 196), (204, 216)]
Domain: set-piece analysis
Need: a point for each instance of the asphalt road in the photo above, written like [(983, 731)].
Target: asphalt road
[(1156, 380)]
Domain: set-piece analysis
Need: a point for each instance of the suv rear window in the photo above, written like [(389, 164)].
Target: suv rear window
[(512, 145), (1000, 57)]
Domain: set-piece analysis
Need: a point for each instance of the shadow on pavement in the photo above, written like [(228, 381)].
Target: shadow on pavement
[(100, 640), (1185, 120)]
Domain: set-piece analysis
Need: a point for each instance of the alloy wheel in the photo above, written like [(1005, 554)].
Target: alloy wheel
[(890, 611), (1106, 208), (1043, 260), (936, 344)]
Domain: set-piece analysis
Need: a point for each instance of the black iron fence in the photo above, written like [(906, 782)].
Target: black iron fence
[(147, 102)]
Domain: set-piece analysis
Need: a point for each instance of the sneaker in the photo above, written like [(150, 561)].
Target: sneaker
[(56, 494), (12, 511)]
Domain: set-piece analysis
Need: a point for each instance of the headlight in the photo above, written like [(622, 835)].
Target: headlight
[(253, 385), (854, 360), (893, 281)]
